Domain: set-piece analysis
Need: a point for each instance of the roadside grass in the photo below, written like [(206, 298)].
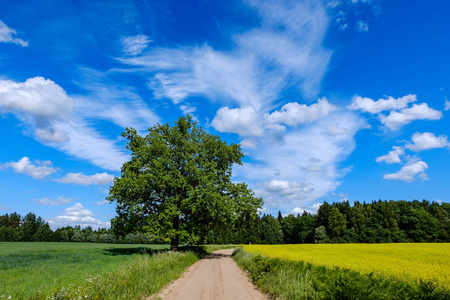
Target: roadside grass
[(31, 269), (91, 271), (285, 279), (143, 277)]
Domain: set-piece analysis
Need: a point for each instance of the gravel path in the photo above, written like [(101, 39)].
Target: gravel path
[(216, 276)]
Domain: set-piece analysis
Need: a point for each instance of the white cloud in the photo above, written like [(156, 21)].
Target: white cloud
[(114, 103), (7, 36), (409, 172), (293, 114), (53, 202), (77, 215), (24, 166), (447, 105), (243, 121), (336, 130), (312, 209), (80, 178), (134, 45), (278, 191), (284, 51), (417, 112), (426, 141), (164, 87), (392, 156), (362, 26), (312, 168), (66, 124), (38, 102), (102, 202), (305, 157), (187, 109), (88, 144), (370, 106)]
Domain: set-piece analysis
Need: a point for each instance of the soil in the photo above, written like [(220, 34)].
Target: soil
[(216, 276)]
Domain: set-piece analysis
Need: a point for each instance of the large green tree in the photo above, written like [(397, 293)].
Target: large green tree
[(177, 183)]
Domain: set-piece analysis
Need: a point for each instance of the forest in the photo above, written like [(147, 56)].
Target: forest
[(376, 222)]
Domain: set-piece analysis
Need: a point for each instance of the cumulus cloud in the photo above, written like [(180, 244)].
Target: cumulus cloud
[(77, 215), (306, 157), (134, 45), (373, 107), (80, 178), (392, 156), (283, 52), (7, 35), (65, 124), (426, 141), (38, 102), (400, 114), (39, 170), (447, 105), (405, 116), (293, 114), (243, 121), (53, 202), (409, 172), (282, 191)]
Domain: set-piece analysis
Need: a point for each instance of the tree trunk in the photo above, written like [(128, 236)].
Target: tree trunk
[(174, 243)]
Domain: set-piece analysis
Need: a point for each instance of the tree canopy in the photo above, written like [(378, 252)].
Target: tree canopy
[(178, 183)]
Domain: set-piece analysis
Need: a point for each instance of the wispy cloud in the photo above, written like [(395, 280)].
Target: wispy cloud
[(7, 35), (362, 26), (134, 45), (285, 50), (53, 202), (447, 105), (102, 202), (65, 122)]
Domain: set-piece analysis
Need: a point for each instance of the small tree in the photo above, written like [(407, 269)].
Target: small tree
[(178, 184)]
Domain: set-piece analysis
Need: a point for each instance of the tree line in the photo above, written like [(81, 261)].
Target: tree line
[(15, 228), (376, 222)]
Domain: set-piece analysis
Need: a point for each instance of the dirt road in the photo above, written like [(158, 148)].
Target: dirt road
[(215, 277)]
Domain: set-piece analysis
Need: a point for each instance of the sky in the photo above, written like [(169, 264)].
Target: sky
[(333, 100)]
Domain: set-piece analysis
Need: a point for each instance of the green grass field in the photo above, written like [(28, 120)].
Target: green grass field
[(30, 269)]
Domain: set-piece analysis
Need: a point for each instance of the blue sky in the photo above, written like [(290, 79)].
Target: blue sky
[(336, 100)]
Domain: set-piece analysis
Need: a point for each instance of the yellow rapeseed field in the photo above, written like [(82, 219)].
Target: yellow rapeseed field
[(408, 262)]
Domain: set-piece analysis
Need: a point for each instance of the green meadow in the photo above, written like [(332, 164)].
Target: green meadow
[(43, 270)]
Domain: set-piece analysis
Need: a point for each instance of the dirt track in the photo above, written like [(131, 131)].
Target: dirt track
[(215, 277)]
